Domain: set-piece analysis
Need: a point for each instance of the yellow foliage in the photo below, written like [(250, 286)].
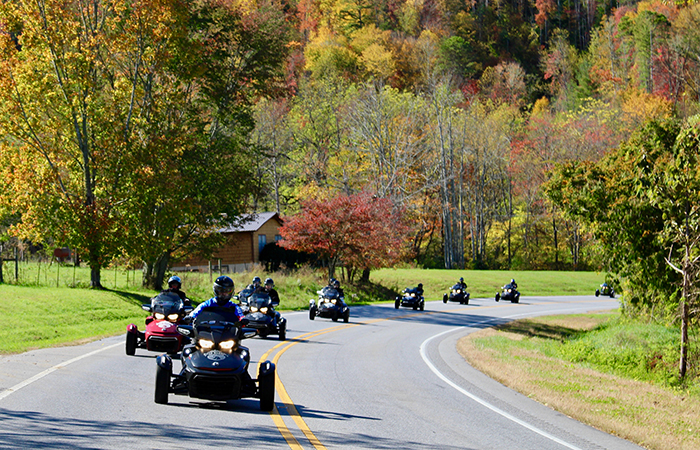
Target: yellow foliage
[(639, 107), (378, 60), (540, 107)]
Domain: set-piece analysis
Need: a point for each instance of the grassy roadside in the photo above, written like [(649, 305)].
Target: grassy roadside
[(613, 375)]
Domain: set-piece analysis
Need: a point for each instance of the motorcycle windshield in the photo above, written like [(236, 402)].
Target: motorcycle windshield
[(213, 315), (330, 293), (167, 303), (259, 300), (244, 294), (457, 286)]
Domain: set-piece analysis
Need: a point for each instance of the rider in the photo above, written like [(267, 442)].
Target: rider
[(270, 289), (256, 285), (419, 289), (174, 284), (513, 283), (223, 291), (335, 284), (461, 283)]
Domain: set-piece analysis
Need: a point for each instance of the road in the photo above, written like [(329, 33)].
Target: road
[(388, 379)]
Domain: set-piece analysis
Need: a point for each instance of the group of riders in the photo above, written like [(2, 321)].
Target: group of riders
[(223, 293), (224, 287)]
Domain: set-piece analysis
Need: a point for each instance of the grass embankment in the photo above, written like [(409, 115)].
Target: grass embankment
[(615, 375)]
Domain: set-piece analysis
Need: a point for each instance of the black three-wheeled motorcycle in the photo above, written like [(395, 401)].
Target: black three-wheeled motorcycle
[(215, 365)]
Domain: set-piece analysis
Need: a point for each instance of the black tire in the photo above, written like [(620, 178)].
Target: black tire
[(444, 298), (312, 313), (422, 306), (397, 303), (283, 331), (612, 294), (131, 339), (162, 385), (597, 292), (266, 387), (466, 300), (346, 316), (516, 299), (498, 296), (335, 316)]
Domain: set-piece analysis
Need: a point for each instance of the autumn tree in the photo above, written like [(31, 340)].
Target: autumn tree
[(357, 232)]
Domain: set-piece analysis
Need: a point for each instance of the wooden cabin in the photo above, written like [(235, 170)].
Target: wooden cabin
[(242, 248)]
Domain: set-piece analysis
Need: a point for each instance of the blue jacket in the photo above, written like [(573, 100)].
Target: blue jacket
[(212, 302)]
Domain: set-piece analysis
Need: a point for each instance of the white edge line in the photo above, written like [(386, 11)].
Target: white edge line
[(41, 375), (479, 400)]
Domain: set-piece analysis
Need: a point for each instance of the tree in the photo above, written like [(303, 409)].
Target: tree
[(132, 116), (359, 231)]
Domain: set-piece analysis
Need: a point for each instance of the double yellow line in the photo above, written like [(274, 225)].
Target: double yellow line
[(279, 387), (284, 396)]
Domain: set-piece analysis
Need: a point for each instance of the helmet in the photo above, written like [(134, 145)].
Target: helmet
[(174, 279), (270, 282), (331, 281), (461, 279), (223, 289), (256, 281), (512, 280), (336, 284), (420, 285)]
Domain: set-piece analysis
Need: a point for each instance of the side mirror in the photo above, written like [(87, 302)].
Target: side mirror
[(248, 333), (146, 308), (188, 309), (186, 330)]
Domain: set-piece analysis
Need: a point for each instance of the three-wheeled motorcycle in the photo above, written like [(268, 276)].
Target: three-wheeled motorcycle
[(456, 294), (215, 365), (262, 316), (329, 305), (167, 311), (412, 298)]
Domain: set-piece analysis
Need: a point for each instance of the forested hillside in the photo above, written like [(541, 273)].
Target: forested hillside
[(458, 111)]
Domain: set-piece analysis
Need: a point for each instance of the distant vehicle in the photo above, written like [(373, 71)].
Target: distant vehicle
[(412, 298), (509, 292), (262, 316), (167, 311), (457, 294), (215, 365), (329, 305), (605, 290)]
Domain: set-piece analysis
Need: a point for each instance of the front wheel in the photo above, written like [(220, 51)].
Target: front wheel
[(131, 343), (597, 292), (267, 391), (612, 294), (498, 296), (397, 303), (346, 316), (444, 298), (162, 385), (312, 313), (422, 306)]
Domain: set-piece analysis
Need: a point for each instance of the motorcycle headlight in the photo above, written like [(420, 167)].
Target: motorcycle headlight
[(263, 310), (173, 317), (509, 291), (333, 301), (159, 316), (413, 295), (206, 344), (227, 345), (253, 309)]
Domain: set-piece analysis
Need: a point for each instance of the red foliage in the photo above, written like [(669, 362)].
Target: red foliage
[(358, 231)]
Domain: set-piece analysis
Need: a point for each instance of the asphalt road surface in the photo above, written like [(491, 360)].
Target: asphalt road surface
[(389, 379)]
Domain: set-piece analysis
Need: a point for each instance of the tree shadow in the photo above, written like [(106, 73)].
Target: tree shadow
[(532, 329), (132, 297)]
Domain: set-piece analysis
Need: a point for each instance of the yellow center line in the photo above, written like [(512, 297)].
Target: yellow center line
[(286, 399)]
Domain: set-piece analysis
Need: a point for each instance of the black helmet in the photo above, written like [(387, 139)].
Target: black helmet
[(512, 280), (331, 281), (256, 281), (420, 285), (223, 289), (461, 280), (336, 284), (174, 279), (270, 282)]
